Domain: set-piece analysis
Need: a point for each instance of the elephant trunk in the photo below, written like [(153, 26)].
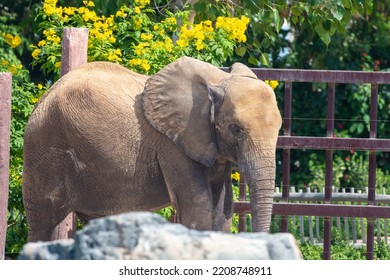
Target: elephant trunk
[(259, 168)]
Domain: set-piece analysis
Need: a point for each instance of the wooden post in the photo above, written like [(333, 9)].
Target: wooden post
[(5, 124), (74, 48), (74, 53)]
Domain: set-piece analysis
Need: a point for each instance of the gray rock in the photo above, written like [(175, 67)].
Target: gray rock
[(148, 236)]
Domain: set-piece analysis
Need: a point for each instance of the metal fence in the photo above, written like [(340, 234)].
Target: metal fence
[(328, 206)]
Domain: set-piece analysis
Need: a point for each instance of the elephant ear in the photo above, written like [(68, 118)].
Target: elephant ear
[(179, 101), (242, 70)]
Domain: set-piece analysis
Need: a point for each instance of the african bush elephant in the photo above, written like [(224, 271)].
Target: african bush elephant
[(105, 140)]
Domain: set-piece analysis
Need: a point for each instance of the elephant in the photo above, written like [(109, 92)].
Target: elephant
[(104, 140)]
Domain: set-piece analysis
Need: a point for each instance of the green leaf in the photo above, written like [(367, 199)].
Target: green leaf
[(368, 6), (295, 19), (200, 6), (346, 17), (264, 59), (346, 3), (277, 21), (324, 35), (296, 11), (338, 13), (240, 51), (253, 60)]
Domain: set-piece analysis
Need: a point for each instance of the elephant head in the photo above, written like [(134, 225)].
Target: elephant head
[(209, 113)]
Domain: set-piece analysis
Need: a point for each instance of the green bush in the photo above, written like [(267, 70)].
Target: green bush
[(24, 95), (343, 250)]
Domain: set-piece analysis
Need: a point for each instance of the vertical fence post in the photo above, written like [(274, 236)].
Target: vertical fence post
[(329, 169), (74, 53), (372, 170), (286, 152), (5, 124), (74, 48)]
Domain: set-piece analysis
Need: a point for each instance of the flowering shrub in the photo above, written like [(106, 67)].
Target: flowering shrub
[(24, 95), (131, 37)]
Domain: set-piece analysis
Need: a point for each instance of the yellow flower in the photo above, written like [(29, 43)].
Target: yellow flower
[(171, 20), (235, 27), (89, 3), (273, 84), (49, 32), (140, 64), (112, 39), (137, 10), (146, 37), (14, 69), (65, 18), (33, 100), (107, 33), (141, 3), (16, 41), (82, 10), (121, 14), (245, 20), (36, 53), (155, 27), (4, 62), (141, 48), (157, 45), (51, 2), (137, 22), (90, 15), (41, 43), (57, 65), (98, 24), (113, 56), (235, 176), (110, 20), (199, 45), (182, 43), (168, 44), (49, 9), (11, 40), (198, 33), (145, 66), (39, 86), (54, 38), (69, 10)]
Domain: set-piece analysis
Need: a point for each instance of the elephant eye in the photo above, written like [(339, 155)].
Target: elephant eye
[(237, 131)]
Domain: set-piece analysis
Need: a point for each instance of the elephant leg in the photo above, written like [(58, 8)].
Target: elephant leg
[(44, 193), (188, 188), (43, 219)]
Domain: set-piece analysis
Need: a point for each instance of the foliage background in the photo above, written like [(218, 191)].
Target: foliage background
[(342, 35)]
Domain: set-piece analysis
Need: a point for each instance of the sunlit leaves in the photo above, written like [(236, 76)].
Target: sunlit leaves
[(324, 18)]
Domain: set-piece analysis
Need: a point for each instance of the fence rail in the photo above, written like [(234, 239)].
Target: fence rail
[(287, 141)]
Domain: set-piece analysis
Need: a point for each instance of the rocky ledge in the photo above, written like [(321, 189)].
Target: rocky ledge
[(148, 236)]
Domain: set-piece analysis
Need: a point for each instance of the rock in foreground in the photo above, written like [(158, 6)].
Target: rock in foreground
[(148, 236)]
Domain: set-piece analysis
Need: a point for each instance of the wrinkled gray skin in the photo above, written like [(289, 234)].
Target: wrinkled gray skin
[(105, 140)]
